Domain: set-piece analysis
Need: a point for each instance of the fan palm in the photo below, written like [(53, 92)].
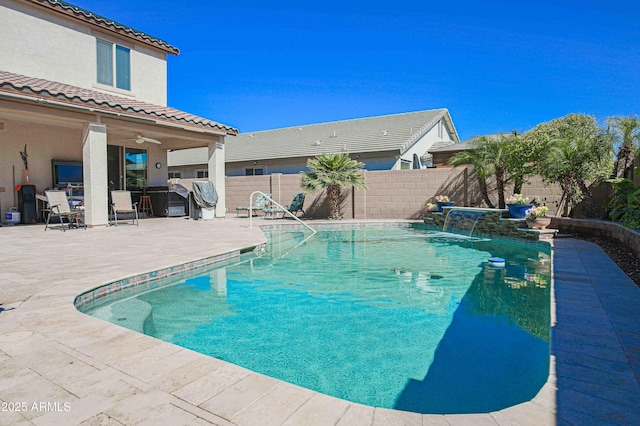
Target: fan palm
[(481, 171), (489, 156), (332, 172)]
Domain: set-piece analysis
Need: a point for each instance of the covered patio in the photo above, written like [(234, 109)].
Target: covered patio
[(117, 142)]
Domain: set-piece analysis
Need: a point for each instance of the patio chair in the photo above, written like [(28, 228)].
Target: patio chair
[(259, 205), (59, 206), (121, 205), (294, 207)]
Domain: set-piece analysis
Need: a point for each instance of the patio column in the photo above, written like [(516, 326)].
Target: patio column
[(94, 159), (216, 170)]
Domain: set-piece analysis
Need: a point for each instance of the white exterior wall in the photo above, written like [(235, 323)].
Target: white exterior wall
[(94, 158), (425, 142), (216, 170), (36, 42)]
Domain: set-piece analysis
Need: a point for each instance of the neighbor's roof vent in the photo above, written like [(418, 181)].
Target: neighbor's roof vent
[(318, 142), (385, 132)]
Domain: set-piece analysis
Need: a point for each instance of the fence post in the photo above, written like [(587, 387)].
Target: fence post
[(465, 185)]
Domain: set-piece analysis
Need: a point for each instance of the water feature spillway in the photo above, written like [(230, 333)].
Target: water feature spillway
[(461, 221)]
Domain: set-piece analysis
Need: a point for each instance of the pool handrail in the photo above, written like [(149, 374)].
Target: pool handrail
[(284, 209)]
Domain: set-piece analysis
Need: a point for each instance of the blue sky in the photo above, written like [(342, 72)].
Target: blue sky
[(496, 65)]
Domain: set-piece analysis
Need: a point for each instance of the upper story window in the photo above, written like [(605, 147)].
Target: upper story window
[(201, 174), (114, 64)]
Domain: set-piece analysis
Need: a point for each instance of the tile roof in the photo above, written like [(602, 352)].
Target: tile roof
[(104, 23), (450, 148), (464, 145), (396, 132), (44, 90)]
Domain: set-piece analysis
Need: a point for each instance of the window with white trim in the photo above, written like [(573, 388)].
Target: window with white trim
[(253, 171), (113, 64), (201, 174), (175, 175)]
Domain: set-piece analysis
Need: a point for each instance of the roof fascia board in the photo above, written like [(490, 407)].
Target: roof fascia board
[(444, 115), (33, 112), (94, 112), (452, 128), (414, 138), (171, 131)]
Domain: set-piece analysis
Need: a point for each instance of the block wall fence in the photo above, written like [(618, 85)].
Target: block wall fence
[(392, 194)]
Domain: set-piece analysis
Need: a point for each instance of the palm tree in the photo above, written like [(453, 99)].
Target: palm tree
[(626, 130), (480, 171), (489, 156), (332, 172)]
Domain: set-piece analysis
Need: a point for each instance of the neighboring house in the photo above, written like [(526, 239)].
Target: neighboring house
[(442, 154), (88, 95), (386, 142)]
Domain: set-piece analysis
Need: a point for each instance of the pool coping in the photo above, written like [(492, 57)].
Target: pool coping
[(147, 376)]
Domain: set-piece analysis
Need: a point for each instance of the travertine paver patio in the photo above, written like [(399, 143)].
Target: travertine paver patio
[(80, 370)]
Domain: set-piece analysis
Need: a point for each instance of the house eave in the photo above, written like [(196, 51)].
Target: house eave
[(105, 24), (101, 112)]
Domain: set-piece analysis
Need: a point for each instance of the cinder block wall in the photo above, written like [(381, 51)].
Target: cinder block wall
[(402, 194), (392, 194), (239, 188)]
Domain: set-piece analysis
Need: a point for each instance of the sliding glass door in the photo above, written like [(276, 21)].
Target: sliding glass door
[(127, 168), (135, 168)]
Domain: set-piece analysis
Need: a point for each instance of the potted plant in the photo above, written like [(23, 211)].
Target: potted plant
[(443, 201), (431, 207), (518, 206), (537, 217)]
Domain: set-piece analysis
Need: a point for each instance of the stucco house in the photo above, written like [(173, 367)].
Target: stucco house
[(441, 155), (386, 142), (88, 96)]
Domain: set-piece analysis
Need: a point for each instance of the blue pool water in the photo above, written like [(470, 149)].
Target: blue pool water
[(389, 317)]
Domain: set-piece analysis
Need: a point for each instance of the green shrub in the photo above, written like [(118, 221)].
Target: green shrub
[(624, 206)]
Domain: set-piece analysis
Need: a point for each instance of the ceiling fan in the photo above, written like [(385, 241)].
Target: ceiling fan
[(138, 138)]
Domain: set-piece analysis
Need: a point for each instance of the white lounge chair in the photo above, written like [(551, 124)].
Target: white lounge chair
[(59, 206), (121, 204)]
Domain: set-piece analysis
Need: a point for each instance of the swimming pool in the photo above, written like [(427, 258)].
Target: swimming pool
[(391, 317)]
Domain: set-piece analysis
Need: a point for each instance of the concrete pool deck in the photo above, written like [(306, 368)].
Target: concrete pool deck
[(59, 366)]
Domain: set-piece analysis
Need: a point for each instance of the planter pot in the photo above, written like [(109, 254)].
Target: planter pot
[(539, 222), (518, 211), (442, 204)]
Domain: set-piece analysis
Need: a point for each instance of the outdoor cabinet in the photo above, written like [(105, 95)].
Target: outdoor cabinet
[(27, 203)]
